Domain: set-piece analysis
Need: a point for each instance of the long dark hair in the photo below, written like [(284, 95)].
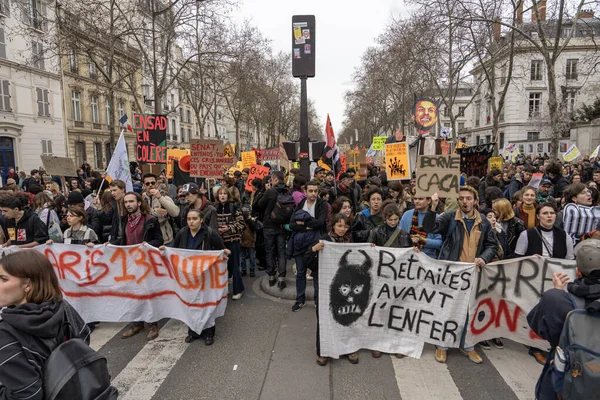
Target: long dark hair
[(144, 207)]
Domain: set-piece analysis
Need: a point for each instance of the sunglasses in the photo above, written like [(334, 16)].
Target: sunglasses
[(150, 183)]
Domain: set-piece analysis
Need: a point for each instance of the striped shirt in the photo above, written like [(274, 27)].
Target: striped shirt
[(579, 220)]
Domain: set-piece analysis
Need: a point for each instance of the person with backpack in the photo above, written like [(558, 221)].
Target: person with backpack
[(308, 224), (568, 317), (196, 235), (277, 207), (78, 232), (231, 225), (39, 330)]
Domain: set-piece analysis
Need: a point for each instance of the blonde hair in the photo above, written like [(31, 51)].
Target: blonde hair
[(504, 210)]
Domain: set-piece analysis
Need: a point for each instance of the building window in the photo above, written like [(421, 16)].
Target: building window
[(182, 135), (189, 116), (173, 130), (570, 100), (189, 133), (461, 126), (46, 147), (172, 100), (477, 140), (5, 96), (36, 14), (76, 103), (93, 71), (477, 113), (567, 31), (73, 62), (43, 102), (572, 69), (107, 107), (119, 71), (121, 109), (2, 43), (535, 102), (37, 55), (108, 152), (445, 113), (461, 111), (536, 70), (501, 140), (488, 138), (533, 136), (488, 112), (501, 114), (80, 156), (98, 155), (95, 113)]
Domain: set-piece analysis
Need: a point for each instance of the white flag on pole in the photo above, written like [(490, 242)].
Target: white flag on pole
[(118, 168)]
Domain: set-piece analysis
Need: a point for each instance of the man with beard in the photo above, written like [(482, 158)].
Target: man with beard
[(425, 115), (139, 227)]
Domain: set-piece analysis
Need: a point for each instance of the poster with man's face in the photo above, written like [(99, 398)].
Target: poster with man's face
[(425, 115)]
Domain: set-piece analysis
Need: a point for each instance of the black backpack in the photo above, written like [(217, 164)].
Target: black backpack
[(284, 208), (76, 371)]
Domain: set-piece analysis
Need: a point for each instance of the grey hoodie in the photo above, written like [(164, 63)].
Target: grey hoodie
[(23, 351)]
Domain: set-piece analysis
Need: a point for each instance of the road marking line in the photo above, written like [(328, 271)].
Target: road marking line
[(146, 372), (519, 370), (104, 332), (414, 378)]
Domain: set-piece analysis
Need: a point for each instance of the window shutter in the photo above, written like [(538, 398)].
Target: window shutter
[(2, 44), (43, 17), (6, 95), (44, 147), (46, 103), (49, 146), (40, 101)]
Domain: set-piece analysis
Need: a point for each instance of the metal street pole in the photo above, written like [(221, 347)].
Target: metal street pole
[(304, 140)]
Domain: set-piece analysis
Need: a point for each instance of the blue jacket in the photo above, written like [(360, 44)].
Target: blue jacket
[(300, 240), (434, 240)]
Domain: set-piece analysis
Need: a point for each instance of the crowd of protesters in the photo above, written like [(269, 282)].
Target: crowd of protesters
[(288, 216)]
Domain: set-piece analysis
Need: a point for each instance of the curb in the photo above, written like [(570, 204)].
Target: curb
[(289, 292)]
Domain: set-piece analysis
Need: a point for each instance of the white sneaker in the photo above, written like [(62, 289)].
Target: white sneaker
[(237, 296)]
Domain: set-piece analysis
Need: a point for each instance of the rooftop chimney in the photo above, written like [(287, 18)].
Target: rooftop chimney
[(520, 12), (541, 11), (586, 14)]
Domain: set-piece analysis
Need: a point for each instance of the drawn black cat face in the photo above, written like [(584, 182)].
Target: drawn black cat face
[(350, 290)]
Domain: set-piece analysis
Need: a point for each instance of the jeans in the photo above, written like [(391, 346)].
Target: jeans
[(233, 265), (275, 247), (462, 338), (248, 254), (300, 279)]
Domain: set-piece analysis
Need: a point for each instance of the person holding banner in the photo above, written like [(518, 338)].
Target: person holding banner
[(419, 223), (339, 232), (33, 313), (466, 237), (78, 232), (138, 227), (196, 235)]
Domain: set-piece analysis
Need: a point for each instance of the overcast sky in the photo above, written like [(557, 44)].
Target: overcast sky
[(345, 28)]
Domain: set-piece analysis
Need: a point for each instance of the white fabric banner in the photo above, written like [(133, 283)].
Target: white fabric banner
[(391, 300), (140, 283), (505, 292)]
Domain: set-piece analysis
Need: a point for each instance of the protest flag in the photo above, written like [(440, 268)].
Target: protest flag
[(118, 167), (124, 122), (331, 153)]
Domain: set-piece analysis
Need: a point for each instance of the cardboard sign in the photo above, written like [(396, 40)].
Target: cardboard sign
[(256, 171), (391, 300), (343, 162), (378, 142), (174, 155), (438, 174), (151, 133), (495, 162), (60, 166), (140, 283), (397, 161), (206, 158), (536, 179), (357, 159), (248, 158), (572, 153)]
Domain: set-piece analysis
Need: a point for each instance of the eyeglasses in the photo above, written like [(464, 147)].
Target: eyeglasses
[(150, 183)]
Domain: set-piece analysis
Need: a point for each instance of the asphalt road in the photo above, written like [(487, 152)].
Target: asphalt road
[(264, 351)]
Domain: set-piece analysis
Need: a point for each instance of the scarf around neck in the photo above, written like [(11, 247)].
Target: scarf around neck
[(340, 239), (134, 220)]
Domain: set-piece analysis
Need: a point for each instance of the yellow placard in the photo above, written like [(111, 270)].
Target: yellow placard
[(248, 158), (297, 33), (397, 162), (572, 153), (495, 162), (378, 142)]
